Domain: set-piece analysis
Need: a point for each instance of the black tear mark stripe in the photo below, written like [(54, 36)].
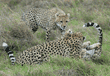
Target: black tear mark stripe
[(98, 28)]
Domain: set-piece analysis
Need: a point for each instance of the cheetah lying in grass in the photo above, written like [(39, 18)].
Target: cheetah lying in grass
[(71, 45)]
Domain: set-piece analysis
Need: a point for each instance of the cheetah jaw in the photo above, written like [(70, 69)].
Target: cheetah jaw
[(59, 26)]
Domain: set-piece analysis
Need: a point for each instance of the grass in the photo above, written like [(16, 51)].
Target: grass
[(18, 35)]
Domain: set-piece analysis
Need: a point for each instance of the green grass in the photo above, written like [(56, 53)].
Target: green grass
[(17, 34)]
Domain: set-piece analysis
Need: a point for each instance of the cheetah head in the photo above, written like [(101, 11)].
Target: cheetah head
[(62, 20), (70, 34)]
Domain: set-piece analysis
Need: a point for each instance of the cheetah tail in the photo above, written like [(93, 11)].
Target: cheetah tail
[(98, 28), (10, 53)]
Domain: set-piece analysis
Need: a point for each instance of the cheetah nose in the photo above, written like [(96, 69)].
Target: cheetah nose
[(64, 27)]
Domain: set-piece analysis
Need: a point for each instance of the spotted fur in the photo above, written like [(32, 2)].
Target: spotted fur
[(48, 19), (68, 46), (71, 45)]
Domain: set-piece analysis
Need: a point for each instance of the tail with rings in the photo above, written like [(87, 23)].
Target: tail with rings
[(98, 50), (98, 28), (9, 52)]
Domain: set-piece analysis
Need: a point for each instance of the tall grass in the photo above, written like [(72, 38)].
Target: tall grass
[(18, 35)]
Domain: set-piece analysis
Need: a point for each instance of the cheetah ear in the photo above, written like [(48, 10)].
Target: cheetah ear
[(56, 15), (68, 14)]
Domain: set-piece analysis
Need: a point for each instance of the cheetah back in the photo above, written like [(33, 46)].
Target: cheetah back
[(69, 46)]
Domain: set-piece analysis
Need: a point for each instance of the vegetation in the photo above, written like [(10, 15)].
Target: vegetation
[(18, 35)]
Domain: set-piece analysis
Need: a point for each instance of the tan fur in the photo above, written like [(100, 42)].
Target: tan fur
[(69, 46), (48, 19)]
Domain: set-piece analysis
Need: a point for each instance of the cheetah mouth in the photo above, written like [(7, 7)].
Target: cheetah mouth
[(58, 25)]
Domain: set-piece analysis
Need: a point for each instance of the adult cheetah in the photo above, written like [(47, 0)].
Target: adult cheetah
[(48, 19), (71, 45)]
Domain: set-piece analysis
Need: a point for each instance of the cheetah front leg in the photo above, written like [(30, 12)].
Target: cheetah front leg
[(62, 33), (47, 34)]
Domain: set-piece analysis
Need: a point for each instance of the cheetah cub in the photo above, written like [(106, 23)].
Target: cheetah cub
[(48, 19)]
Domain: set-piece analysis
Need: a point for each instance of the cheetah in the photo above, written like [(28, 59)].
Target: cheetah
[(48, 19), (71, 45)]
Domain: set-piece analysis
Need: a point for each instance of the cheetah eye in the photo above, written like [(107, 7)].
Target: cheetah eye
[(61, 21), (66, 21)]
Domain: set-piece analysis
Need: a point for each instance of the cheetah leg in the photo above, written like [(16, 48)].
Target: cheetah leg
[(93, 46), (34, 29), (62, 33), (86, 44), (97, 52), (87, 54), (32, 24), (47, 34), (91, 52)]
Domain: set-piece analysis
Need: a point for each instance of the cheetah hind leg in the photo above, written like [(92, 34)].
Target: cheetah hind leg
[(97, 54), (87, 54), (33, 25), (34, 28), (97, 51), (90, 53)]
